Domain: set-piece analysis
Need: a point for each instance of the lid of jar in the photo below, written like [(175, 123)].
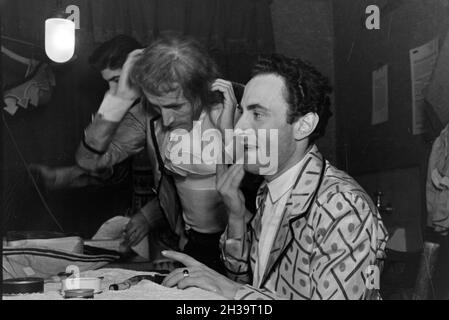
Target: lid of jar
[(79, 294), (23, 286)]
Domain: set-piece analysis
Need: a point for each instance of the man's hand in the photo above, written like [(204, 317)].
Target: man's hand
[(125, 89), (228, 182), (136, 229), (199, 276), (227, 116)]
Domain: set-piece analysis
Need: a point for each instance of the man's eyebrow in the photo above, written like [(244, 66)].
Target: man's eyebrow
[(173, 105), (113, 78), (257, 106)]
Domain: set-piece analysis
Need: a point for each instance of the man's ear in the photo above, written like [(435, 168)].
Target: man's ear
[(305, 126)]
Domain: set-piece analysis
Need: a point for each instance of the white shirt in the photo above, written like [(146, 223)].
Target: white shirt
[(279, 191), (203, 208)]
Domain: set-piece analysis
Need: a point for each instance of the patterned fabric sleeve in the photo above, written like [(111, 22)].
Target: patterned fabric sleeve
[(235, 255), (250, 293), (346, 237)]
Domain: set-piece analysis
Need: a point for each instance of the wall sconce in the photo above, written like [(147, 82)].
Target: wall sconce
[(60, 34)]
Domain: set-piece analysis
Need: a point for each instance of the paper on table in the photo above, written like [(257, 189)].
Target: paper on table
[(437, 94), (422, 60), (145, 290), (380, 95), (113, 230)]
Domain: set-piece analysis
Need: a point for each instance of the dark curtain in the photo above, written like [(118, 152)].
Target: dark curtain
[(234, 31), (227, 25)]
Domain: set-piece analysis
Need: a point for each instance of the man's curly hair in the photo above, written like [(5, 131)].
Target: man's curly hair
[(307, 90)]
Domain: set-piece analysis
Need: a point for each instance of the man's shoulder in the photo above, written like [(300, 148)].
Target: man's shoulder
[(339, 183)]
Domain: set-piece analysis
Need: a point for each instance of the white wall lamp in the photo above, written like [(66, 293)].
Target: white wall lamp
[(60, 34)]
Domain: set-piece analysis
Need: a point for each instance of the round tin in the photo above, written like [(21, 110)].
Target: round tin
[(81, 283), (23, 286), (79, 294)]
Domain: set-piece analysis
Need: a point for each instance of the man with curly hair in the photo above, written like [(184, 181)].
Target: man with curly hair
[(316, 233)]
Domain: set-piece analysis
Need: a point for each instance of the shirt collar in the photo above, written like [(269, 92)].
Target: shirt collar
[(285, 182)]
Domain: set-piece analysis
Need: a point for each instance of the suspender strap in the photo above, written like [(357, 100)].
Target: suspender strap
[(156, 145)]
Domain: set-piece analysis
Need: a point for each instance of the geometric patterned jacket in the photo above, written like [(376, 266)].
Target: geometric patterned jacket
[(329, 241)]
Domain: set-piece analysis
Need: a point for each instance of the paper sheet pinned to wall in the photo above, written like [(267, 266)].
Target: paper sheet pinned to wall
[(422, 60), (437, 93), (380, 95)]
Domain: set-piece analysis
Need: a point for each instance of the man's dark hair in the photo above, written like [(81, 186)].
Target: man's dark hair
[(113, 53), (307, 90), (172, 62)]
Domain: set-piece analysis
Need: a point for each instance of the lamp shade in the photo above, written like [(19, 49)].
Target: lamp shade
[(59, 39)]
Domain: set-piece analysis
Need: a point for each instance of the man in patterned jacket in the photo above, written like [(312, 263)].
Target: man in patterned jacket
[(316, 233)]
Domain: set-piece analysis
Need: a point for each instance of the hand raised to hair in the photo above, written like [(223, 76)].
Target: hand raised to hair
[(125, 88), (226, 119)]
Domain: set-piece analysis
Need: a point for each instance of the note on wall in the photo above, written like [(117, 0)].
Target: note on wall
[(437, 93), (422, 60), (380, 95)]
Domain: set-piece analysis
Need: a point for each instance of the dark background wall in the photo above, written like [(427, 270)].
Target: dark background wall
[(386, 157), (359, 52), (304, 29), (369, 151)]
